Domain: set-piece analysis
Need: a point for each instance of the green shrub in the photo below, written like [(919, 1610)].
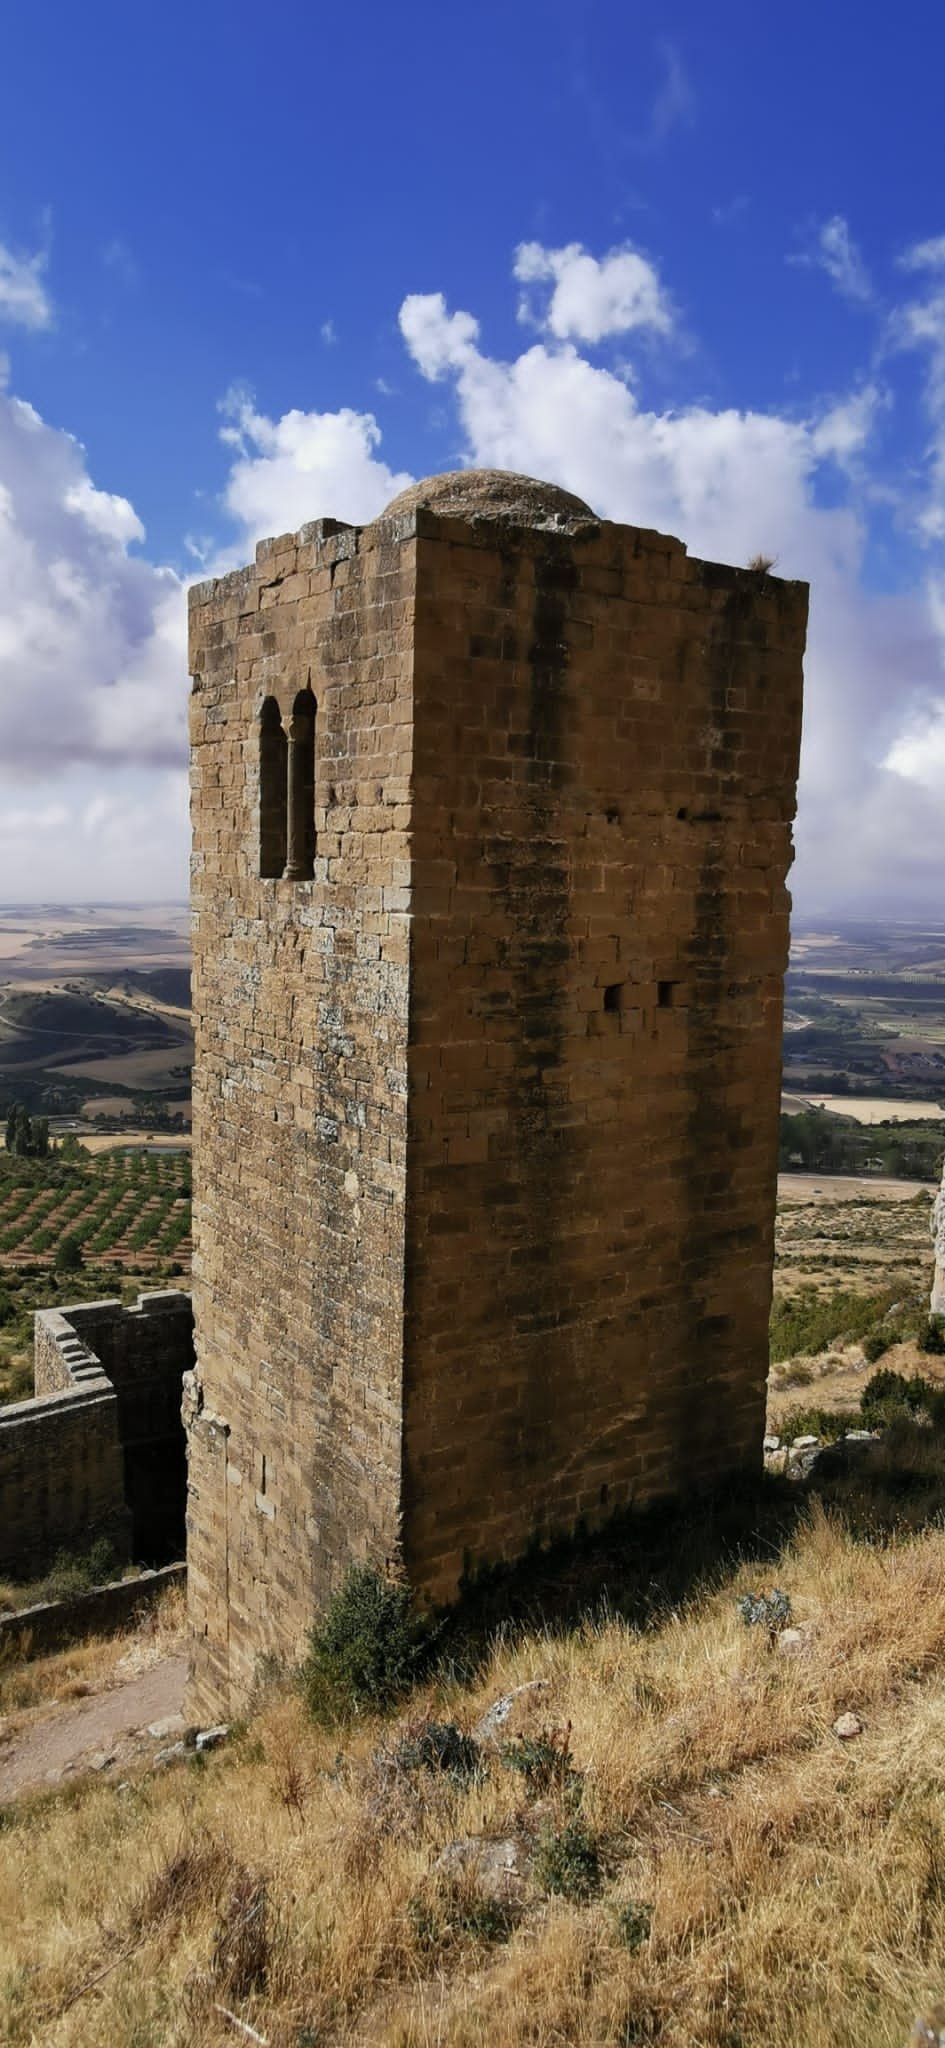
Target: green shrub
[(932, 1338), (439, 1746), (363, 1654), (567, 1861), (69, 1255), (823, 1422), (887, 1395), (632, 1923), (102, 1561), (765, 1610), (17, 1380), (810, 1323), (455, 1911), (546, 1764)]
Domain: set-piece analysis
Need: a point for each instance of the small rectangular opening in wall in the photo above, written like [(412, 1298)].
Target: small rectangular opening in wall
[(666, 994), (612, 995)]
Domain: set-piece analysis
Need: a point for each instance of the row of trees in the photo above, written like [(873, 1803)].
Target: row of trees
[(27, 1137), (817, 1142)]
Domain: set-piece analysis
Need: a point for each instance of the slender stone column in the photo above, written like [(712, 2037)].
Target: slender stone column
[(299, 831)]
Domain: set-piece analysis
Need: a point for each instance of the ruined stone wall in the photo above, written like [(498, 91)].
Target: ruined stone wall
[(61, 1478), (99, 1450), (485, 1111), (605, 754), (145, 1350), (300, 1013)]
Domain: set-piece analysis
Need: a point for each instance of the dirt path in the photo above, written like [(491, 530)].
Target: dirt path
[(114, 1724), (847, 1187)]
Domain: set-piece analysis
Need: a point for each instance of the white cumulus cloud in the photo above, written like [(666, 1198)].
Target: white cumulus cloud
[(591, 297), (929, 255), (835, 252), (306, 465), (734, 484), (92, 660), (24, 300)]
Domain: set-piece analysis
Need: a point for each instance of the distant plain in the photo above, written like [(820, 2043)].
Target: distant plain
[(95, 1029)]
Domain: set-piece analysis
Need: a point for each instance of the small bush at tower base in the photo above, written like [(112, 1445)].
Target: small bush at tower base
[(363, 1654)]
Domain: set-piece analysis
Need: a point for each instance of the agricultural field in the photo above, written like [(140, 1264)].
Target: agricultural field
[(117, 1208), (835, 1233), (867, 1109), (95, 1029), (82, 1227), (865, 1012)]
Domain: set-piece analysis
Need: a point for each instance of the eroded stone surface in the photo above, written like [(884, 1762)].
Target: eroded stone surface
[(491, 494), (497, 1723), (497, 1869)]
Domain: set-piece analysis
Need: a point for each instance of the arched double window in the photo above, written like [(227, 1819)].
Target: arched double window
[(287, 790)]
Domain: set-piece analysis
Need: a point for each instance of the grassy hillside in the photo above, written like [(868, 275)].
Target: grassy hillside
[(683, 1849), (698, 1859), (64, 1025), (106, 1047)]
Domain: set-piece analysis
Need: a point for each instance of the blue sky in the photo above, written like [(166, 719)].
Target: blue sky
[(255, 268)]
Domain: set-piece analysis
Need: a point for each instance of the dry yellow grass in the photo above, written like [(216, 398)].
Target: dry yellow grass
[(796, 1883), (30, 1685)]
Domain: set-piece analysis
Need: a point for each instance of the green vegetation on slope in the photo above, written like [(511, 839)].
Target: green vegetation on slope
[(815, 1141)]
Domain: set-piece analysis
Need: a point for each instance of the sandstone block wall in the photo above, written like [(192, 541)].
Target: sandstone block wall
[(144, 1351), (299, 1099), (99, 1450), (61, 1478), (485, 1110)]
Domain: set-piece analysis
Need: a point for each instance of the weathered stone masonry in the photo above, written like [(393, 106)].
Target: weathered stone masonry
[(99, 1451), (486, 1109)]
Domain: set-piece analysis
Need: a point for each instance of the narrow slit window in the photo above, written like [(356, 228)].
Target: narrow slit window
[(300, 863), (273, 790)]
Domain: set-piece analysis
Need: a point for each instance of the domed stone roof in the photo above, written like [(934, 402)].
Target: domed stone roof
[(492, 494)]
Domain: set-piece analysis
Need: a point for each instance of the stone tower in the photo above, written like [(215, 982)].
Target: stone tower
[(492, 811)]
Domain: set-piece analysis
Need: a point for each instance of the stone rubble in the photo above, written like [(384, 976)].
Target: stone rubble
[(498, 1869)]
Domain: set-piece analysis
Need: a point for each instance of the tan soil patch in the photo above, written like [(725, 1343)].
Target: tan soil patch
[(112, 1725), (865, 1109), (131, 1068), (826, 1187)]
